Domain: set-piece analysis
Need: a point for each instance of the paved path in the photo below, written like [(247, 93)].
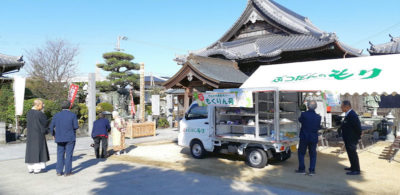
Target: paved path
[(16, 151), (93, 176)]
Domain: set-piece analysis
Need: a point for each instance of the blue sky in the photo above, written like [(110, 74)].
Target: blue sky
[(159, 29)]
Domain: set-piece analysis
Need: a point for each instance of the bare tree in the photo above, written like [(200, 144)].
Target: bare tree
[(50, 68)]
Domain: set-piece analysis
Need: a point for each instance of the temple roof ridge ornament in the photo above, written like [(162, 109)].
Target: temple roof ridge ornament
[(392, 47), (254, 16)]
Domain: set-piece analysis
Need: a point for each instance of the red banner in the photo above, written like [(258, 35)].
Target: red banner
[(133, 111), (73, 90)]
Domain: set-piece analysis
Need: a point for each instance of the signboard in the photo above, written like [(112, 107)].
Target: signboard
[(225, 99), (331, 98)]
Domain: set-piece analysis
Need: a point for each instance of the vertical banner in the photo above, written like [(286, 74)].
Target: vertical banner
[(19, 93), (155, 105), (133, 111), (73, 90)]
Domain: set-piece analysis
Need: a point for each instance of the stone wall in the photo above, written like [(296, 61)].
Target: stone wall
[(2, 132)]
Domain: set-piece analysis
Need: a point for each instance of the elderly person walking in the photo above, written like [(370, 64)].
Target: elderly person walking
[(351, 133), (118, 127), (37, 153), (101, 128), (63, 127), (310, 124)]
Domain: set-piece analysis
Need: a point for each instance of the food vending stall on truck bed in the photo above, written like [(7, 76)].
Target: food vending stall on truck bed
[(259, 120), (260, 124)]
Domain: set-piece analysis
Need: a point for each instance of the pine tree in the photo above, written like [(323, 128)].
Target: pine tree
[(121, 69)]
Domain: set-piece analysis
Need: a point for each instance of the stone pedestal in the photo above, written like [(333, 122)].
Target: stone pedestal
[(2, 132)]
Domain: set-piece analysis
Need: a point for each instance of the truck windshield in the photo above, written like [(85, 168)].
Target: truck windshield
[(197, 112)]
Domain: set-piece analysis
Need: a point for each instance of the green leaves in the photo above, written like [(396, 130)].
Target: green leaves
[(121, 68), (118, 55)]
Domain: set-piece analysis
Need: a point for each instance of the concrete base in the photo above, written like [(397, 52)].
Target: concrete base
[(2, 132)]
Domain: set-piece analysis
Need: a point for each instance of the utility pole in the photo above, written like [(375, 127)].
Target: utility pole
[(119, 38)]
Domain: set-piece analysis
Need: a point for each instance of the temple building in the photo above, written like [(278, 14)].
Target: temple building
[(9, 64), (265, 34), (392, 47)]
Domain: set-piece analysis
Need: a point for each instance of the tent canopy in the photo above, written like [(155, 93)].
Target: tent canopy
[(361, 75)]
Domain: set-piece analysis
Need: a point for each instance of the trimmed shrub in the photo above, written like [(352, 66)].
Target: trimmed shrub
[(162, 123), (104, 106)]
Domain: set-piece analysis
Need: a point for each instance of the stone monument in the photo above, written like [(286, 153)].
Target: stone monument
[(371, 102)]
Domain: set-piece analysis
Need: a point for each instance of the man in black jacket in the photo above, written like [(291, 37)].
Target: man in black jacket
[(351, 132)]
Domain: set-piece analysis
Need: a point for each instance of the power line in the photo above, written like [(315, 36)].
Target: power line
[(394, 26), (158, 45)]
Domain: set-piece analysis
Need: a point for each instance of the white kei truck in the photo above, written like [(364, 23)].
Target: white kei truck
[(261, 124)]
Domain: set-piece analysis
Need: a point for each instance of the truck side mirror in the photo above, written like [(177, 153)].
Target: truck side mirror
[(186, 116)]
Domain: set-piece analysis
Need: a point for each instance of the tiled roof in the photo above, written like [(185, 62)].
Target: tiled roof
[(295, 33), (10, 63), (175, 91), (264, 46), (392, 47), (155, 79), (219, 71), (287, 17)]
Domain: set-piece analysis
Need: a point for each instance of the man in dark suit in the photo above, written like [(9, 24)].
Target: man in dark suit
[(101, 128), (310, 124), (351, 133), (63, 127)]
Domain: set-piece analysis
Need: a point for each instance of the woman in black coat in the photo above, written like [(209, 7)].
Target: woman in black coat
[(37, 153)]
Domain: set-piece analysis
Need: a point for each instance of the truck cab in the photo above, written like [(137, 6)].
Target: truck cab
[(196, 130)]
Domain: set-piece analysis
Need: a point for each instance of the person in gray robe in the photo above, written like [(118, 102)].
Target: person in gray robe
[(37, 153)]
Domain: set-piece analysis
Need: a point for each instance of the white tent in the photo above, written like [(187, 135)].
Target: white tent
[(362, 75)]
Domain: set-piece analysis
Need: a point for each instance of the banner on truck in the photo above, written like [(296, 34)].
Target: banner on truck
[(225, 99)]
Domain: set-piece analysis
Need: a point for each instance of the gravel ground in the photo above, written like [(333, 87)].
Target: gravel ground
[(378, 175)]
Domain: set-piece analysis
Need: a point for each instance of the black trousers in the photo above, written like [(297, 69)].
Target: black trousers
[(104, 145), (351, 148)]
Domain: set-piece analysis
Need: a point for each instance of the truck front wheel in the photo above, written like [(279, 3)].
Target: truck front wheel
[(197, 149), (256, 157)]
